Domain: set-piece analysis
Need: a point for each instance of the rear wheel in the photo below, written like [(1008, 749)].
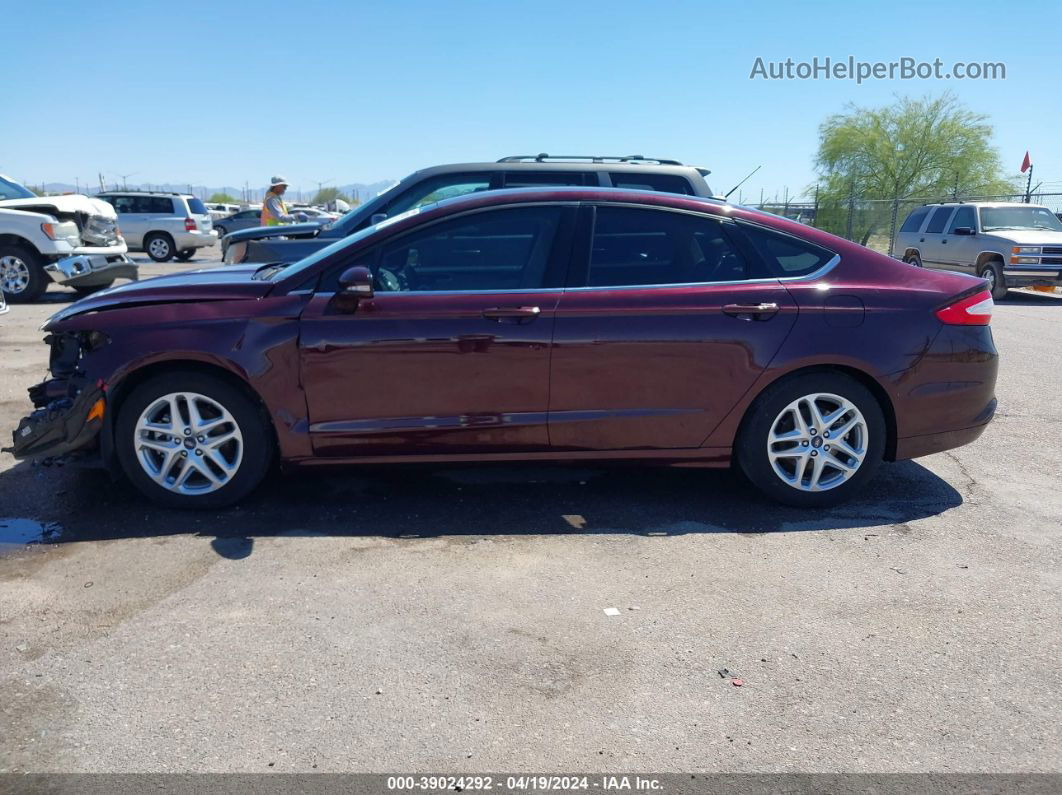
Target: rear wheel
[(159, 246), (913, 259), (812, 440), (185, 254), (22, 276), (992, 271), (190, 440)]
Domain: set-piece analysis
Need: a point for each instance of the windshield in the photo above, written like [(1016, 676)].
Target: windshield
[(12, 190), (306, 263), (1024, 217)]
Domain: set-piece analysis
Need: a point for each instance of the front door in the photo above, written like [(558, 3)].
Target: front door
[(665, 335), (960, 251), (451, 355)]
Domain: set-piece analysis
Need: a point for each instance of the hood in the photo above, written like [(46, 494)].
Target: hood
[(262, 232), (1028, 237), (228, 283), (73, 203)]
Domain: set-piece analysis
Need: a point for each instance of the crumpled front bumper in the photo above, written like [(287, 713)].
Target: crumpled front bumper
[(89, 270), (62, 426)]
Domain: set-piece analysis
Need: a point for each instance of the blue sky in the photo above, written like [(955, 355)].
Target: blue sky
[(223, 92)]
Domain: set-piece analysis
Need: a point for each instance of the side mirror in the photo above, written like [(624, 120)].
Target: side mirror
[(963, 230), (356, 282), (377, 217)]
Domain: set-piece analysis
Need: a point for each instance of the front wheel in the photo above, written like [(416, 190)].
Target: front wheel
[(812, 441), (22, 276), (190, 440), (997, 282)]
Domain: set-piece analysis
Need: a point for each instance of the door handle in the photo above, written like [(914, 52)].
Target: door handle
[(751, 311), (512, 314), (921, 240)]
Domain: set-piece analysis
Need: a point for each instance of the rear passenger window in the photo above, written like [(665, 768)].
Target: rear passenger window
[(663, 183), (533, 179), (786, 255), (914, 220), (939, 220), (634, 247)]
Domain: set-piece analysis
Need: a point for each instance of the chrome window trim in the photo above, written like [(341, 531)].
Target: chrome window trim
[(769, 280)]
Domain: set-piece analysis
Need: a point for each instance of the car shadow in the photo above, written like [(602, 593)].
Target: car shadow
[(1030, 298), (420, 501)]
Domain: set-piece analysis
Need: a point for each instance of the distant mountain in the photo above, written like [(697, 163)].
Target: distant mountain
[(356, 190)]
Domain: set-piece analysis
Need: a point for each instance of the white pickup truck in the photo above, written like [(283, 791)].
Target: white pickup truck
[(71, 239)]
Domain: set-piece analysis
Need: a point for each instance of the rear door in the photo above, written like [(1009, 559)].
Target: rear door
[(669, 323), (451, 355), (931, 241)]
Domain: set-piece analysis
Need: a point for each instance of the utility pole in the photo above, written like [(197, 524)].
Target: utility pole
[(321, 184)]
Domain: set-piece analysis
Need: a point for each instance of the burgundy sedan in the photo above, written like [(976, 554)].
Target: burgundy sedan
[(544, 324)]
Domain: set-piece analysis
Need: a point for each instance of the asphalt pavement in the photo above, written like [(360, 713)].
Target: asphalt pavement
[(453, 619)]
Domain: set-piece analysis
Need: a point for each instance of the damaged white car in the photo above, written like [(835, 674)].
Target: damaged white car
[(71, 239)]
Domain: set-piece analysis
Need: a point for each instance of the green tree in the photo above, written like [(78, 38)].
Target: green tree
[(326, 195), (223, 198), (914, 148)]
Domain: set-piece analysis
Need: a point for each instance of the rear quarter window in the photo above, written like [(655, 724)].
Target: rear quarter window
[(914, 220), (786, 255), (663, 183), (196, 207)]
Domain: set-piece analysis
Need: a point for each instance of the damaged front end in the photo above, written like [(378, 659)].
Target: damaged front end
[(69, 407)]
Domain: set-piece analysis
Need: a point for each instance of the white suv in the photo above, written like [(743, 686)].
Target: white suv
[(1010, 245), (164, 225)]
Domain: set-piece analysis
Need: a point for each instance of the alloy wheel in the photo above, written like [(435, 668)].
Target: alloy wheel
[(817, 442), (159, 248), (188, 443), (14, 274)]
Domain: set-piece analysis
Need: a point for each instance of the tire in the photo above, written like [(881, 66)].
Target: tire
[(159, 246), (997, 282), (773, 410), (185, 254), (221, 232), (22, 276), (84, 291), (914, 259), (238, 465)]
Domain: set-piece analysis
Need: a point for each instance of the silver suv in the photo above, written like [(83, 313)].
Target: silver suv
[(164, 225), (1010, 245)]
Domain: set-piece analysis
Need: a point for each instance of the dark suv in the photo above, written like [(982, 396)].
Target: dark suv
[(635, 172)]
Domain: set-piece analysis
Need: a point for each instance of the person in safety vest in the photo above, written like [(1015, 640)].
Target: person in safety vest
[(274, 211)]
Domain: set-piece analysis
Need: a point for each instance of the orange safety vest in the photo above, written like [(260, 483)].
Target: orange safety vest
[(268, 219)]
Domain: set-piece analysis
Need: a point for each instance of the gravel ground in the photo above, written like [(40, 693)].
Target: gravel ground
[(445, 619)]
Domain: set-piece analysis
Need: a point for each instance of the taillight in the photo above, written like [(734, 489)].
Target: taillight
[(189, 225), (973, 310)]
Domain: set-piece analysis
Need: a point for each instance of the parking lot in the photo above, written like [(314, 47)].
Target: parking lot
[(453, 619)]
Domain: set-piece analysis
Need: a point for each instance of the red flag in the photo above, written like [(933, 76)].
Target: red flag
[(1026, 164)]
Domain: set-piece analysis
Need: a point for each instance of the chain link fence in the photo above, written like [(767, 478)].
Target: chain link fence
[(874, 222)]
